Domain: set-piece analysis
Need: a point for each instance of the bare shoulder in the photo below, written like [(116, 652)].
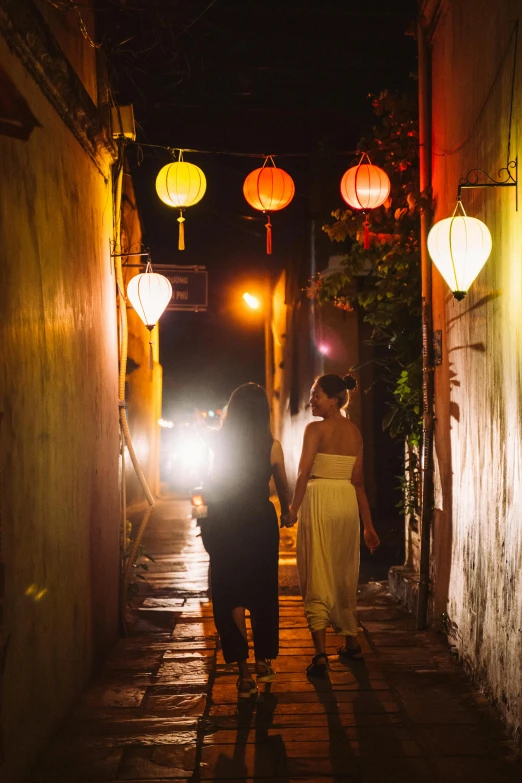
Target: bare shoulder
[(312, 432), (354, 431)]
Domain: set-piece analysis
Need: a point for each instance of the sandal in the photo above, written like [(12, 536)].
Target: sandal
[(348, 652), (265, 672), (316, 669), (246, 688)]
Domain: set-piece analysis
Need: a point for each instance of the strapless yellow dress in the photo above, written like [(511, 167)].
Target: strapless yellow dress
[(328, 542)]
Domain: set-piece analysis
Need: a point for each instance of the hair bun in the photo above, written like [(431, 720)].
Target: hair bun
[(350, 382)]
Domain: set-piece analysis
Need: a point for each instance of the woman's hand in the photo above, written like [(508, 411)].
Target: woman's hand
[(290, 518), (371, 539)]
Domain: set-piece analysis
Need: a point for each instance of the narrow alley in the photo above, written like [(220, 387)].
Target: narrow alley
[(164, 706)]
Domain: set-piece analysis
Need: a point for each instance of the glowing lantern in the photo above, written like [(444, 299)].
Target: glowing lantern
[(269, 189), (149, 294), (181, 184), (365, 187), (459, 247)]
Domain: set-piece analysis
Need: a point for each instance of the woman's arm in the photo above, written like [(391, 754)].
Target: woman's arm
[(310, 448), (277, 460), (371, 538)]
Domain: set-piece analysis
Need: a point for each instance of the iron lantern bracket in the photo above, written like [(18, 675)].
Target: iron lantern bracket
[(507, 179)]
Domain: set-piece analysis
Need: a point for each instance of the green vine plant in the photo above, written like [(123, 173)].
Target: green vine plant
[(384, 281)]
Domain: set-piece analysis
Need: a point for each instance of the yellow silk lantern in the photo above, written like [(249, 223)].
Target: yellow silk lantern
[(181, 184), (459, 247)]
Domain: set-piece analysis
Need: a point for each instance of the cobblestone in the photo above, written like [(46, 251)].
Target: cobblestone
[(164, 705)]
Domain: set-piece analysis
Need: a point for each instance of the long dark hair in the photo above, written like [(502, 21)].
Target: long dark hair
[(248, 413), (245, 430)]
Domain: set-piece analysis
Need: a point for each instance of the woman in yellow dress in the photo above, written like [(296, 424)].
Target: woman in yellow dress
[(328, 499)]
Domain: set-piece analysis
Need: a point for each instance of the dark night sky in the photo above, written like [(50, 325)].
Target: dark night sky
[(252, 77)]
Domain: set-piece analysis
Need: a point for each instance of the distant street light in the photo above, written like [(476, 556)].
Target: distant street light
[(255, 304), (252, 301)]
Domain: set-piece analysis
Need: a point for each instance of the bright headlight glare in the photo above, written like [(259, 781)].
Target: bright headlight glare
[(190, 453)]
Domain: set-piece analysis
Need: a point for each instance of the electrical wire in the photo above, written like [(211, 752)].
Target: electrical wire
[(70, 5), (259, 155)]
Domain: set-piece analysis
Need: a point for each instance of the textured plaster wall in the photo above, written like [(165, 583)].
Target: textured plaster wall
[(59, 439), (143, 385), (477, 535), (64, 25), (294, 368)]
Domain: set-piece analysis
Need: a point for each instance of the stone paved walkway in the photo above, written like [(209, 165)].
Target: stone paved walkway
[(164, 705)]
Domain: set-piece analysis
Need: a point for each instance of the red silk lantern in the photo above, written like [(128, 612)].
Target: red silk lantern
[(365, 187), (269, 189)]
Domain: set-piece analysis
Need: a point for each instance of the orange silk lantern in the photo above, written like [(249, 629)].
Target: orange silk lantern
[(365, 187), (269, 189)]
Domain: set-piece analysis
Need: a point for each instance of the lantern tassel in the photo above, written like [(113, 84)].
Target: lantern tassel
[(366, 234), (151, 355), (268, 236), (181, 240)]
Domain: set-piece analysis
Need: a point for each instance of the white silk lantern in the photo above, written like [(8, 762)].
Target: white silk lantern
[(459, 247)]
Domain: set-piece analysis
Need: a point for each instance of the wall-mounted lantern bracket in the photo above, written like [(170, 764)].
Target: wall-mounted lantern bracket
[(507, 179), (124, 255)]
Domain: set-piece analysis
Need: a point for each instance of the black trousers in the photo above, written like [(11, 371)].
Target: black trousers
[(243, 544), (264, 618)]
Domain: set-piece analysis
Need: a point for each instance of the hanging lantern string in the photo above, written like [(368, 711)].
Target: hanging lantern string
[(181, 238), (366, 224), (268, 234), (366, 232), (271, 159), (261, 155)]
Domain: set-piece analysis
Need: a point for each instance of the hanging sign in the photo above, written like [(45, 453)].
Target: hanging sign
[(189, 286)]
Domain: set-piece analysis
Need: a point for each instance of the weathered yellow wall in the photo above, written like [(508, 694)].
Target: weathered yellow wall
[(64, 25), (143, 385), (477, 537), (59, 440), (294, 369)]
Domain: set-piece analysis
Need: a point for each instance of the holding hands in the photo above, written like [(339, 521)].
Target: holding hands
[(289, 518)]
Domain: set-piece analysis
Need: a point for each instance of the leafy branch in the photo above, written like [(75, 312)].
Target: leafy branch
[(384, 281)]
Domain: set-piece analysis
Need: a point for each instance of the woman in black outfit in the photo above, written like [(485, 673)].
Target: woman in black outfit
[(243, 535)]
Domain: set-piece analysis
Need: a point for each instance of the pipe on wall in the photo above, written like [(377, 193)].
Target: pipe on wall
[(424, 64)]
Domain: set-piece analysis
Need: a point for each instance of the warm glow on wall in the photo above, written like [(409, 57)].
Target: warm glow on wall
[(459, 247)]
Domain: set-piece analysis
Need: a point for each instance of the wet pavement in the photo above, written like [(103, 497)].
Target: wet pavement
[(164, 705)]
